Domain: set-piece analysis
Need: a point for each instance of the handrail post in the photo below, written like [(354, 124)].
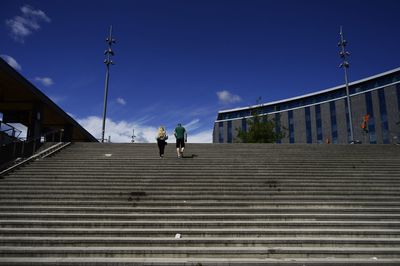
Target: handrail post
[(14, 148), (22, 148), (61, 133)]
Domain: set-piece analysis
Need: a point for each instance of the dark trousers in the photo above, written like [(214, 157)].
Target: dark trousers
[(161, 146)]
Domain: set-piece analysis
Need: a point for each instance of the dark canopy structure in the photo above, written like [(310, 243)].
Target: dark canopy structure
[(21, 102)]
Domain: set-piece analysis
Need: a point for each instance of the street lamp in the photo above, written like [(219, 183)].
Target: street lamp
[(345, 65), (109, 52)]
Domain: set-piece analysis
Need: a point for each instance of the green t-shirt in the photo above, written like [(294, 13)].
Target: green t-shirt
[(180, 132)]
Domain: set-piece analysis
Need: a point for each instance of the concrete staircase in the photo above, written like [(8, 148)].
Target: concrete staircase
[(242, 204)]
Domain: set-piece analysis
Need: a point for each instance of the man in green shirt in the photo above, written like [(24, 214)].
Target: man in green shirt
[(181, 138)]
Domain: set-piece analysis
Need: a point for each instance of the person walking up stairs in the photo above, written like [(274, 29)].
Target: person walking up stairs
[(181, 138)]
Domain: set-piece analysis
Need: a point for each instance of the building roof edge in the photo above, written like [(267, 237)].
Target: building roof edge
[(313, 93)]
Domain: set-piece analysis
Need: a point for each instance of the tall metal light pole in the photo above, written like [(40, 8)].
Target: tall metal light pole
[(345, 65), (107, 61)]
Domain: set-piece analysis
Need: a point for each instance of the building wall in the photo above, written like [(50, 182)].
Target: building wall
[(299, 126), (359, 106), (392, 107), (326, 122), (215, 140), (341, 120), (285, 127), (236, 125), (313, 124), (358, 109), (377, 117), (222, 132)]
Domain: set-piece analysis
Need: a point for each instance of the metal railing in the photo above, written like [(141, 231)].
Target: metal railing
[(42, 154), (8, 131), (26, 147)]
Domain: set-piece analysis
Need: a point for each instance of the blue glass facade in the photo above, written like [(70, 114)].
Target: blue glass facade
[(221, 132), (278, 125), (398, 96), (318, 123), (347, 121), (332, 108), (318, 98), (384, 117), (368, 96), (244, 124), (229, 140), (308, 125), (291, 126), (371, 121), (398, 107)]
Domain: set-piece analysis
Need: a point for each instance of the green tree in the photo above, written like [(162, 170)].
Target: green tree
[(260, 130)]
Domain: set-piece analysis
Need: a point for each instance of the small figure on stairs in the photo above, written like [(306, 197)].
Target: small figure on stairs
[(161, 140), (181, 138)]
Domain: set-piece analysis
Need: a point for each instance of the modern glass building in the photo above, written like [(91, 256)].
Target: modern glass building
[(322, 117)]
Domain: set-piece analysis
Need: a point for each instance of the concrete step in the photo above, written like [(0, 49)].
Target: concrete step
[(129, 214), (199, 242), (264, 195), (186, 198), (205, 207), (346, 224), (232, 200), (177, 193), (200, 252), (311, 199), (173, 163), (202, 232), (232, 204), (122, 261)]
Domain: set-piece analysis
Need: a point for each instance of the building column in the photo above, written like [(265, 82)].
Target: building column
[(35, 124)]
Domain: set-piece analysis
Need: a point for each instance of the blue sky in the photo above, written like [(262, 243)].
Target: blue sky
[(182, 61)]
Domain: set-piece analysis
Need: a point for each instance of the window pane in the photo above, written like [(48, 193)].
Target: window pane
[(291, 127), (229, 140), (332, 108), (221, 132), (383, 113), (371, 121)]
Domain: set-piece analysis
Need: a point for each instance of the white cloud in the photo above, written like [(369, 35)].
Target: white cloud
[(192, 125), (121, 131), (45, 81), (11, 61), (35, 14), (25, 25), (121, 101), (57, 99), (201, 137), (226, 97)]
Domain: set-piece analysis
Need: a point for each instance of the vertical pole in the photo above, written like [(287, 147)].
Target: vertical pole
[(105, 103), (349, 105), (343, 54), (107, 62)]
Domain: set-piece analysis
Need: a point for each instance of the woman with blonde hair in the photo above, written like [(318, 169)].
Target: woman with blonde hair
[(161, 140)]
